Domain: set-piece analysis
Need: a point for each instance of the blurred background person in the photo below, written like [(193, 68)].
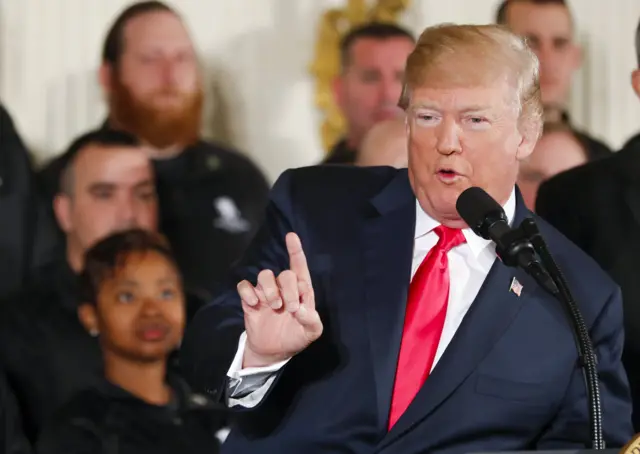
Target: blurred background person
[(597, 206), (107, 186), (12, 439), (27, 231), (211, 198), (372, 60), (133, 301), (385, 145), (558, 149), (550, 30)]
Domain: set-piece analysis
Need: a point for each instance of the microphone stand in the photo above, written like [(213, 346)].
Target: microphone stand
[(586, 356)]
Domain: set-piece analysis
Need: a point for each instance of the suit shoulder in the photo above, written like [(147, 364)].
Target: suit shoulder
[(227, 156), (596, 148), (580, 269), (589, 176), (340, 181)]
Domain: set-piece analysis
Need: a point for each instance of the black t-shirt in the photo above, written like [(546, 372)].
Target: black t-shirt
[(341, 153), (212, 201), (109, 420)]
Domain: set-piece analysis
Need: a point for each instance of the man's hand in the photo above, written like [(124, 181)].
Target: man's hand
[(280, 313)]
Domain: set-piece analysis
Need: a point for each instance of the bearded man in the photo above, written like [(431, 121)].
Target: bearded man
[(211, 198)]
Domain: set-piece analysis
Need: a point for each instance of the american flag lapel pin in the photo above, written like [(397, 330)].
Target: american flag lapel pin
[(516, 287)]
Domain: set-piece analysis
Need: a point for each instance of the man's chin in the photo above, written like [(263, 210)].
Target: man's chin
[(169, 105)]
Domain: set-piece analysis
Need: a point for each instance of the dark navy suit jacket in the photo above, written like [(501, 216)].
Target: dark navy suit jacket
[(508, 380)]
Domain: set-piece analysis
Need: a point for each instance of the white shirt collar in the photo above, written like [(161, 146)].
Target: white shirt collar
[(425, 224)]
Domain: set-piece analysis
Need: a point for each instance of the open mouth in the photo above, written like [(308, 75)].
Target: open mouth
[(448, 175)]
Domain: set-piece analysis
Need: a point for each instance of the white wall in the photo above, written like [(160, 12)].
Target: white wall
[(259, 53)]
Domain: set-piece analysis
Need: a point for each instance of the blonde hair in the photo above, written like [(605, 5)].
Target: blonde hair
[(449, 55)]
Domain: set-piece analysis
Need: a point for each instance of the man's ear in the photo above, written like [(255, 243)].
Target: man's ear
[(89, 319), (106, 77), (530, 133), (62, 210), (339, 91), (635, 81)]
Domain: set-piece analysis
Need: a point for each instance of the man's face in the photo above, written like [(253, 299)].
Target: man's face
[(113, 190), (549, 33), (155, 90), (554, 153), (368, 90), (461, 137)]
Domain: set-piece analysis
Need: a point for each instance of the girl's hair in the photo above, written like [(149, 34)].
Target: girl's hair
[(106, 257)]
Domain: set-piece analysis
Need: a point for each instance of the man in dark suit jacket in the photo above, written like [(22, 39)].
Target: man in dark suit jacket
[(597, 206), (396, 330), (27, 234)]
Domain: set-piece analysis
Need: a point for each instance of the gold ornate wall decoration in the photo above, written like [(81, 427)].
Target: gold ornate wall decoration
[(633, 447), (333, 24)]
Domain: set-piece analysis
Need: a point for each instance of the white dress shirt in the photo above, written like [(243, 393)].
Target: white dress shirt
[(469, 265)]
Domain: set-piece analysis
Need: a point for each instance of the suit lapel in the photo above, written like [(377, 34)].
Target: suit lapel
[(491, 313), (388, 251)]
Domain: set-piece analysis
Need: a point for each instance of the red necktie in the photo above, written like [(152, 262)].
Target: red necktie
[(424, 321)]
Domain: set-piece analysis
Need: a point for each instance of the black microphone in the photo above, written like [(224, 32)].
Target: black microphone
[(488, 220)]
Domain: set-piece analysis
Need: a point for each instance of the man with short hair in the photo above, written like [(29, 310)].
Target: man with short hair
[(597, 206), (549, 29), (397, 329), (108, 186), (372, 59), (211, 198)]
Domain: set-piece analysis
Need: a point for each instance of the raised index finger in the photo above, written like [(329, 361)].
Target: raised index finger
[(297, 259)]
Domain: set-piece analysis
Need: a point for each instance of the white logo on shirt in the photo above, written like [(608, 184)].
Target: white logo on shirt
[(229, 216)]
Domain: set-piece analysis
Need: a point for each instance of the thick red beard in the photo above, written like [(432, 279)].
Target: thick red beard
[(161, 127)]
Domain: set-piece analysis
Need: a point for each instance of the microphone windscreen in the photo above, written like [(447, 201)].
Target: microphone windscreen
[(475, 207)]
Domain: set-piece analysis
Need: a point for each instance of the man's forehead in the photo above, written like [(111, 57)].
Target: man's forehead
[(539, 19), (463, 96), (366, 48), (156, 29), (98, 162)]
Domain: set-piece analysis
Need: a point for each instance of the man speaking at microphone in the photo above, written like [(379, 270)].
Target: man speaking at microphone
[(368, 317)]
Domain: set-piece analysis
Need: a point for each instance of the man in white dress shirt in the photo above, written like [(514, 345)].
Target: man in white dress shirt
[(396, 329)]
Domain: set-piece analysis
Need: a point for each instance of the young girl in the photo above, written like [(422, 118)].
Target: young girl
[(134, 304)]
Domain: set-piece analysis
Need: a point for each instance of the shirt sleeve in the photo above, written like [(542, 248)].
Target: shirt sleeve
[(247, 387)]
